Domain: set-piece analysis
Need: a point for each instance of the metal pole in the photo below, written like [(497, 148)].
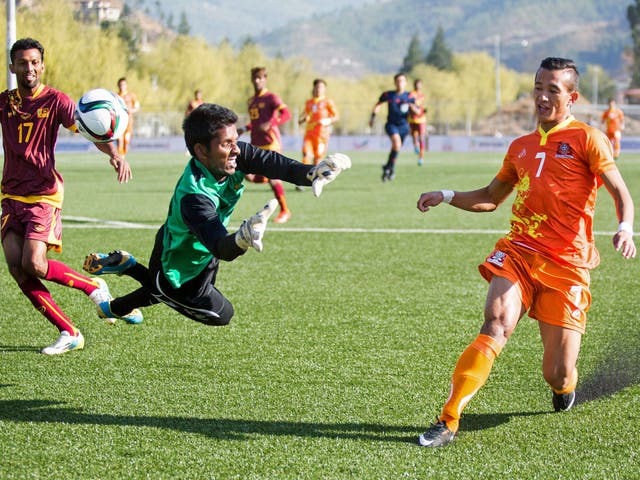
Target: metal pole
[(11, 38), (596, 72), (497, 54)]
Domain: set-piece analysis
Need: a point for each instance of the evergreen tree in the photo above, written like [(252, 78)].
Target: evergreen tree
[(183, 27), (414, 56), (633, 15), (440, 56)]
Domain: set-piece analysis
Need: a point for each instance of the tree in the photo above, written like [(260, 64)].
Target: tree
[(414, 56), (440, 56), (183, 27), (633, 15), (596, 85)]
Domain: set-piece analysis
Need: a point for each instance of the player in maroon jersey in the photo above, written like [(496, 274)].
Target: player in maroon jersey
[(32, 190), (266, 113)]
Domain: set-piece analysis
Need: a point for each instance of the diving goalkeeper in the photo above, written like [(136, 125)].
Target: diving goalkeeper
[(194, 238)]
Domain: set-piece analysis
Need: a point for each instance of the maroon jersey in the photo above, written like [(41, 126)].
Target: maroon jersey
[(267, 107), (29, 132)]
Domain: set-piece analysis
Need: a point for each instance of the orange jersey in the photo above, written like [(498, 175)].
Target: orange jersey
[(131, 101), (418, 117), (556, 176), (613, 118), (316, 110)]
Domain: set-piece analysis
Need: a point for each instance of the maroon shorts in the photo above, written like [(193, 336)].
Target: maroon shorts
[(421, 128), (34, 221)]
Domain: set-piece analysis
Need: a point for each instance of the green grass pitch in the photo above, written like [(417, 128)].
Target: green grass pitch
[(346, 332)]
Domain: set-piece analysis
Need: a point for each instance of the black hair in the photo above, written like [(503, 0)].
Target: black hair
[(26, 44), (558, 63), (202, 125)]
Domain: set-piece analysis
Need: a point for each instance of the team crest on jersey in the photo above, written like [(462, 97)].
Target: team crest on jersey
[(522, 153), (497, 258), (43, 112), (564, 151)]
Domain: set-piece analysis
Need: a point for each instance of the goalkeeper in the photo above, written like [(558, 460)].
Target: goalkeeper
[(194, 238)]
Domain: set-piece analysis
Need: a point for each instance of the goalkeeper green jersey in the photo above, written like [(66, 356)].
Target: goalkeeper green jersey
[(195, 233)]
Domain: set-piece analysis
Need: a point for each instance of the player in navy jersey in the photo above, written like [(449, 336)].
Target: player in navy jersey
[(399, 103), (32, 190)]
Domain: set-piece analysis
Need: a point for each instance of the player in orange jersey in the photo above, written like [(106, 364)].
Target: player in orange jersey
[(195, 103), (266, 113), (542, 265), (133, 107), (418, 121), (613, 120), (319, 114)]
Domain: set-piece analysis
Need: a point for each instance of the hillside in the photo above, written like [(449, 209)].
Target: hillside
[(373, 35), (216, 20), (376, 37)]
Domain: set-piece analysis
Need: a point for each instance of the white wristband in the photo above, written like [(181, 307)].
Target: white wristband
[(447, 195), (625, 227)]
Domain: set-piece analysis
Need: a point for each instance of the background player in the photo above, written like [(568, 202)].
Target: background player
[(613, 120), (399, 102), (133, 107), (418, 122), (319, 114), (32, 191), (195, 103), (542, 265), (266, 113), (194, 238)]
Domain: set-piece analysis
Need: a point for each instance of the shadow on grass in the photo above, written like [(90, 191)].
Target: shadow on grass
[(472, 422), (47, 411), (18, 348), (619, 369)]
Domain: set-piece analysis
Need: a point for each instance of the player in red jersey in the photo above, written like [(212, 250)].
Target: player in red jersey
[(266, 113), (133, 106), (613, 120), (319, 114), (542, 265), (418, 122), (32, 190)]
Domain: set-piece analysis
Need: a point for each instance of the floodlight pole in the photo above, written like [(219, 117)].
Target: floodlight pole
[(497, 55), (11, 38)]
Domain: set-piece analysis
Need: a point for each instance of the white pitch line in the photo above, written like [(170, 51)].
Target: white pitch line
[(88, 222)]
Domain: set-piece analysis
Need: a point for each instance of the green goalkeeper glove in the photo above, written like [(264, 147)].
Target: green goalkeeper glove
[(252, 229), (327, 171)]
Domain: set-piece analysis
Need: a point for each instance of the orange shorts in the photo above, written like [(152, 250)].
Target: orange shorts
[(554, 293), (34, 221), (314, 146)]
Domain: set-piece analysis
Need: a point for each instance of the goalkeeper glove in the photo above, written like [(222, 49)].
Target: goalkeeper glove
[(327, 171), (252, 229)]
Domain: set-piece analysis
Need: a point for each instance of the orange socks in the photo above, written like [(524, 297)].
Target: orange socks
[(471, 373), (572, 385)]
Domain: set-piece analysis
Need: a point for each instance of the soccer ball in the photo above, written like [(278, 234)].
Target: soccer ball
[(101, 116)]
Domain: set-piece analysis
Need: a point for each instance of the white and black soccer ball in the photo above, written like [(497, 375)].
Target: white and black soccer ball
[(101, 116)]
